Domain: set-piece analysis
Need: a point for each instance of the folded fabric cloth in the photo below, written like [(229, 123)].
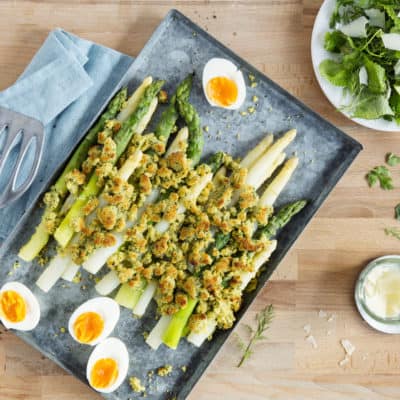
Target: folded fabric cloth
[(64, 86)]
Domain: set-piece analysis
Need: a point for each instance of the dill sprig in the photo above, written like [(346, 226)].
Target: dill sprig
[(263, 319)]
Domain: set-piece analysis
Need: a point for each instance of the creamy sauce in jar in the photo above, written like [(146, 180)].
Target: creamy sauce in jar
[(382, 291)]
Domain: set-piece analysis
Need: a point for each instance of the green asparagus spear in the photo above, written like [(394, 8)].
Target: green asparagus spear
[(196, 138), (177, 325), (170, 115), (281, 218), (81, 152), (65, 231), (41, 236)]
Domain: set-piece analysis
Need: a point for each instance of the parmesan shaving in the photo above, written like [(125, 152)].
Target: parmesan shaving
[(311, 339), (348, 346)]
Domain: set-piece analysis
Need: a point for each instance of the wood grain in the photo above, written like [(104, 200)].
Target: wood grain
[(320, 271)]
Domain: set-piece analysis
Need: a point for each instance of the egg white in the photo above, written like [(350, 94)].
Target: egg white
[(110, 348), (221, 67), (107, 308), (32, 317)]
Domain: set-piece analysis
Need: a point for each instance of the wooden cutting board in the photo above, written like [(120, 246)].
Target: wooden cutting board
[(320, 271)]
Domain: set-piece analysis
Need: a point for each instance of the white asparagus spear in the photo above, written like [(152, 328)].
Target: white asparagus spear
[(255, 176), (253, 155), (155, 337)]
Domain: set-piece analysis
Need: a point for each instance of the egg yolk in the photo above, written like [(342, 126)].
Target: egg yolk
[(13, 306), (88, 326), (104, 373), (223, 91)]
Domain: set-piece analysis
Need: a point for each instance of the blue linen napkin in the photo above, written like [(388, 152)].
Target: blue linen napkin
[(64, 86)]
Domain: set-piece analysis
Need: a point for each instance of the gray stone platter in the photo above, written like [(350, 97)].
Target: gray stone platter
[(176, 48)]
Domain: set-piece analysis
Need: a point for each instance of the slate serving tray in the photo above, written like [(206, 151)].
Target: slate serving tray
[(176, 48)]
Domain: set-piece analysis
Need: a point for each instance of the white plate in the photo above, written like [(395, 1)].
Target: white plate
[(335, 93)]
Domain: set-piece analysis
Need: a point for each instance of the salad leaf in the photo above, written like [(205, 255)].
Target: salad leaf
[(335, 41), (376, 76), (334, 72), (369, 105), (363, 66)]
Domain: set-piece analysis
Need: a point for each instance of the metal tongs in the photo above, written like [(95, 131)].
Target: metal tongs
[(22, 130)]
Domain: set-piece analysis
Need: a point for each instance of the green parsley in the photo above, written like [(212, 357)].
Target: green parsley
[(397, 212), (392, 159), (382, 175), (393, 231)]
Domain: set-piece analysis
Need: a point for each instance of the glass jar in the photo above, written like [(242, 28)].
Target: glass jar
[(379, 322)]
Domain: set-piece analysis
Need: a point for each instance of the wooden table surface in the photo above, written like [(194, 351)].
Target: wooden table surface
[(320, 271)]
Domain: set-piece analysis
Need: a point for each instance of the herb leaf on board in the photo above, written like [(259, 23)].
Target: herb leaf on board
[(392, 159), (382, 175)]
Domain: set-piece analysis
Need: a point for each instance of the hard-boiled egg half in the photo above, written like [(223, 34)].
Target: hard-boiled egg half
[(19, 308), (94, 320), (223, 84), (108, 365)]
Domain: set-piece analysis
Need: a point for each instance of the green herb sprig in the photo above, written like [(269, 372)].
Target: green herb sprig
[(382, 175), (393, 231), (263, 319)]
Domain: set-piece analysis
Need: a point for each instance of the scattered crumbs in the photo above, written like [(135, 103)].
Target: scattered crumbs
[(311, 339), (83, 287), (206, 128), (62, 330), (10, 273), (328, 333), (243, 113), (97, 279), (345, 361), (136, 384), (150, 374), (234, 33), (214, 16), (184, 368), (194, 34), (77, 278), (16, 265), (164, 370), (269, 109), (238, 136), (253, 85), (332, 318), (255, 99), (322, 314), (252, 78), (219, 133), (56, 335), (307, 329), (64, 286), (162, 96), (145, 335), (348, 346), (42, 260), (251, 110)]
